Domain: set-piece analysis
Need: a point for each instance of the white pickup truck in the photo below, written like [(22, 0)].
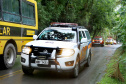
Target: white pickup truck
[(63, 47)]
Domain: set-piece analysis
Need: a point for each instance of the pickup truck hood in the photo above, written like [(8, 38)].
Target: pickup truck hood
[(52, 44)]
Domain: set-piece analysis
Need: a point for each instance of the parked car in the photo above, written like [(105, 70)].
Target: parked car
[(63, 47), (98, 40), (115, 42), (110, 41)]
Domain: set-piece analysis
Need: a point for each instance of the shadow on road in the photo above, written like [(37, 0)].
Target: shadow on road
[(38, 74)]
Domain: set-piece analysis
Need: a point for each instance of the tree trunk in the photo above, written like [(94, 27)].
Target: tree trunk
[(117, 74)]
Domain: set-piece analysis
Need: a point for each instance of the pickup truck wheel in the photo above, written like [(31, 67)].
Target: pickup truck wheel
[(7, 60), (28, 71), (88, 60), (75, 72)]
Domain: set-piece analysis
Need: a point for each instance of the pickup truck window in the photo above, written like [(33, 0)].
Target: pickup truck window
[(88, 35), (58, 35)]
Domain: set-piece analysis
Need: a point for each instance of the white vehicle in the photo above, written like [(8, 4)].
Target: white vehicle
[(61, 47)]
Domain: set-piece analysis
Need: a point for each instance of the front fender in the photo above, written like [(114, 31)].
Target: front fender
[(76, 54)]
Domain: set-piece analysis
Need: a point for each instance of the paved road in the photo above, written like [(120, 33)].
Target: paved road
[(90, 75)]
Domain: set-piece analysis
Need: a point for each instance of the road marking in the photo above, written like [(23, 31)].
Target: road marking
[(10, 74)]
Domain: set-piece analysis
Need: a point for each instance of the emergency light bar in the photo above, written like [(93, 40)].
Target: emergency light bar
[(55, 24)]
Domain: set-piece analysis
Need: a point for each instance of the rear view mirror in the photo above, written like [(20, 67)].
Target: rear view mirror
[(83, 40), (35, 37)]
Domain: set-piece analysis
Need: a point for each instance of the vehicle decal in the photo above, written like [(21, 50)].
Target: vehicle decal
[(89, 45), (89, 42), (84, 49), (16, 31)]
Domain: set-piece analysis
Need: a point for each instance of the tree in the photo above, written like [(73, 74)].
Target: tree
[(93, 14), (120, 28)]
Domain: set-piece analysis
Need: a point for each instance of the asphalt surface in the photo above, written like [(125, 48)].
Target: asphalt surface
[(88, 75)]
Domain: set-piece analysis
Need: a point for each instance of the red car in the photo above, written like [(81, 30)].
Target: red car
[(98, 40)]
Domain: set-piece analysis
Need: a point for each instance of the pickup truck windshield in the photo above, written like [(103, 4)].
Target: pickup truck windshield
[(109, 40), (58, 35), (97, 38)]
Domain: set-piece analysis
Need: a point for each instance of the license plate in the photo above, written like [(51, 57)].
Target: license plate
[(45, 62), (96, 43)]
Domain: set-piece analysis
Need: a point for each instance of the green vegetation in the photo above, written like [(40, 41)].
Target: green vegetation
[(93, 14), (109, 78), (120, 28)]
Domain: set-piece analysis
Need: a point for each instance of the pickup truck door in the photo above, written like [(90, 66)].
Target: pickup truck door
[(83, 46)]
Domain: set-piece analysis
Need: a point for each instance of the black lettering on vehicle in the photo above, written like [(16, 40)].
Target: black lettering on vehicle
[(6, 31)]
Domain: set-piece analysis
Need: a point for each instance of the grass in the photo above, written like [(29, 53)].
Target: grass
[(120, 57)]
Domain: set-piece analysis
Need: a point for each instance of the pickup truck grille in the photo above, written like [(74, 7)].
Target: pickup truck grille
[(41, 51)]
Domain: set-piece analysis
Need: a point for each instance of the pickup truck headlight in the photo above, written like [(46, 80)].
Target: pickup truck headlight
[(66, 53), (26, 50)]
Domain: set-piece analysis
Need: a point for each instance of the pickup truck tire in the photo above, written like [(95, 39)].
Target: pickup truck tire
[(27, 71), (88, 60), (76, 69), (7, 60)]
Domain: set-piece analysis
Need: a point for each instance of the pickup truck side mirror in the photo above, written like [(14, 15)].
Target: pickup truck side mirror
[(35, 37), (83, 40)]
